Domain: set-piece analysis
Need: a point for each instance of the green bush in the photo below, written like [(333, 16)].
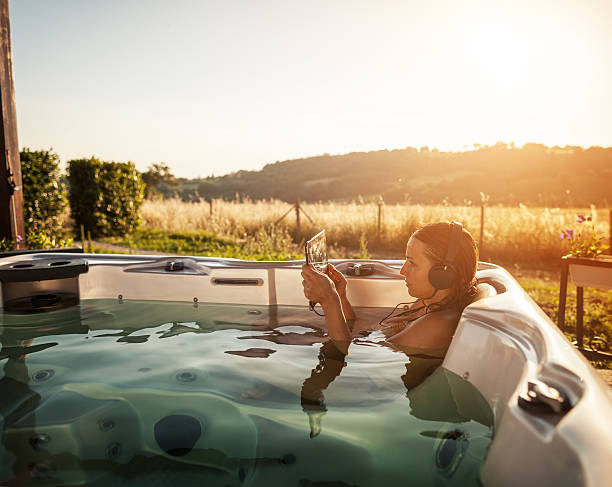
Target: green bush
[(6, 244), (105, 196), (40, 240), (44, 194)]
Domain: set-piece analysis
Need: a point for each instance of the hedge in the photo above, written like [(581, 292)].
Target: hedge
[(105, 196), (44, 194)]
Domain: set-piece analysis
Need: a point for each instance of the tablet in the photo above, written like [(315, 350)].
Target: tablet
[(316, 251)]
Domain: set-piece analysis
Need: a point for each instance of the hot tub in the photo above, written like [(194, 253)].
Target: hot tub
[(138, 370)]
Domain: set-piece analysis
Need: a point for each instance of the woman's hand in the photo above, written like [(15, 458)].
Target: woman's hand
[(338, 279), (318, 287)]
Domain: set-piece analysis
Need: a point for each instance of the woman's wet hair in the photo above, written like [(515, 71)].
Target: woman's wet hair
[(437, 237)]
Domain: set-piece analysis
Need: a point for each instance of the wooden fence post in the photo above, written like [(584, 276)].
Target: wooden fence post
[(298, 210), (83, 243), (11, 193), (610, 232), (481, 239), (484, 198), (380, 215), (210, 202)]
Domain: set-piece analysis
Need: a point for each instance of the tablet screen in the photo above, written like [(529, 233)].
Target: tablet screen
[(316, 251)]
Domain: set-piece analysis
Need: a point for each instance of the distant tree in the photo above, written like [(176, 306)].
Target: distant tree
[(156, 176), (529, 174)]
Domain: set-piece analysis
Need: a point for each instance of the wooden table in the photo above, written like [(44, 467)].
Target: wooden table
[(585, 272)]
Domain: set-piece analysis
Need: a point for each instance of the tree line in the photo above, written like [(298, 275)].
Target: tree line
[(533, 174), (105, 196)]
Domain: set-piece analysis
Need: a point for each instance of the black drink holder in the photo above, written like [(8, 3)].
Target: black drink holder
[(39, 285)]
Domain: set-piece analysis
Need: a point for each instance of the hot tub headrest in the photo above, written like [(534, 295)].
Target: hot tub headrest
[(484, 290)]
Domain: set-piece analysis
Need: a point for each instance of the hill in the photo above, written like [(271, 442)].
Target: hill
[(532, 174)]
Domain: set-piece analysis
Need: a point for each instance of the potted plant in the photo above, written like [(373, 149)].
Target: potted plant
[(588, 266)]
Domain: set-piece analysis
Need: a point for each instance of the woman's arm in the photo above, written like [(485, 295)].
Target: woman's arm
[(320, 288), (337, 326), (340, 282)]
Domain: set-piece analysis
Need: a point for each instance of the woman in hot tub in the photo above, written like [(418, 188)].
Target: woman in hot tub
[(439, 271)]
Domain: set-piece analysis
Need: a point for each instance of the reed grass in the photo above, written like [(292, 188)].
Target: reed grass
[(522, 235)]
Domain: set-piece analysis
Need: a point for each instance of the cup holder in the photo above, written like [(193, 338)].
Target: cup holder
[(42, 270)]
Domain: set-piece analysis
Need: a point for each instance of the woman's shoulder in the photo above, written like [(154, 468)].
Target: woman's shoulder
[(441, 316), (433, 330)]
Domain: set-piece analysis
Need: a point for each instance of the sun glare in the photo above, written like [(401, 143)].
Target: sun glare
[(288, 82), (526, 75)]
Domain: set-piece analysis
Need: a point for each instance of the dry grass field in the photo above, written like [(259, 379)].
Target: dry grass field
[(525, 236)]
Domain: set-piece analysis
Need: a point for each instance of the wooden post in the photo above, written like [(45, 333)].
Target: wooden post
[(562, 294), (297, 216), (380, 214), (481, 240), (210, 202), (83, 243), (610, 232), (284, 215), (579, 316), (11, 194)]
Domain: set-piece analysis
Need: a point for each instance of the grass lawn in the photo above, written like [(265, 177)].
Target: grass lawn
[(543, 287), (262, 246)]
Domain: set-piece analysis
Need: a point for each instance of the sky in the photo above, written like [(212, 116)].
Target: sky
[(212, 87)]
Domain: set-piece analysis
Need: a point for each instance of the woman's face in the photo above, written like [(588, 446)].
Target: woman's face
[(416, 270)]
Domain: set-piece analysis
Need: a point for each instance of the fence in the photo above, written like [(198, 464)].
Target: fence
[(503, 233), (299, 210)]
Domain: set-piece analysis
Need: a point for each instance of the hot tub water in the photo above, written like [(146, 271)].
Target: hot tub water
[(114, 392)]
